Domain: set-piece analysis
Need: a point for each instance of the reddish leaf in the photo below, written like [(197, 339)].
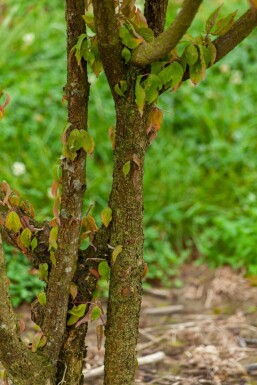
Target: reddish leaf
[(54, 188), (154, 120), (95, 273)]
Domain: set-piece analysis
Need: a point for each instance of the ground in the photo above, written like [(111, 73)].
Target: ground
[(207, 331)]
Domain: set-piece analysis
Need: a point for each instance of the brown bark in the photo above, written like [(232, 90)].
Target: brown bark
[(73, 188), (126, 201), (155, 13)]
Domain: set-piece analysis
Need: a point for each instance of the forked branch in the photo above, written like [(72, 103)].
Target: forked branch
[(147, 53)]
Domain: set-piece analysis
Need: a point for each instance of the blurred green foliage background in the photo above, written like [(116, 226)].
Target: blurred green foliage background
[(201, 171)]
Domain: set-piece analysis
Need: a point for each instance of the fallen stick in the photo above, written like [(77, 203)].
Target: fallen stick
[(164, 310), (145, 360)]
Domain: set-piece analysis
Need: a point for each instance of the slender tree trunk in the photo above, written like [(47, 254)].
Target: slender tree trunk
[(126, 202)]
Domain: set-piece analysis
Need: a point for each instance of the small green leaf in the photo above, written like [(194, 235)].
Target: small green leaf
[(12, 221), (88, 142), (127, 39), (75, 140), (147, 34), (90, 21), (72, 320), (52, 257), (140, 95), (104, 270), (33, 243), (36, 341), (78, 311), (196, 72), (213, 52), (223, 25), (121, 87), (126, 54), (191, 54), (106, 216), (53, 238), (173, 72), (42, 298), (95, 314), (43, 272), (212, 20), (116, 252), (153, 85), (26, 237), (126, 168)]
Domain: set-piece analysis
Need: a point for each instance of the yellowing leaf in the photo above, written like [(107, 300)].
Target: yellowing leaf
[(224, 24), (126, 168), (116, 252), (53, 237), (78, 311), (213, 52), (72, 320), (73, 290), (88, 224), (88, 142), (12, 221), (106, 216), (42, 298), (99, 336)]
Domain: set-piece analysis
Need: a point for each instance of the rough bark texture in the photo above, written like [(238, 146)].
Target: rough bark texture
[(23, 366), (155, 13), (126, 202), (146, 54)]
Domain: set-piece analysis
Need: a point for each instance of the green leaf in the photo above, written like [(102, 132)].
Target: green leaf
[(12, 221), (52, 257), (157, 66), (88, 142), (42, 298), (196, 72), (116, 252), (43, 272), (224, 24), (121, 87), (106, 216), (213, 52), (127, 39), (53, 237), (26, 237), (140, 95), (147, 34), (191, 54), (126, 168), (72, 320), (95, 314), (104, 270), (36, 341), (33, 243), (153, 85), (79, 310), (97, 67), (173, 72), (90, 21), (212, 20), (75, 140), (126, 54), (78, 47)]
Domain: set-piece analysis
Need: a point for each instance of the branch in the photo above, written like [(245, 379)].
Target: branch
[(155, 13), (73, 189), (21, 364), (239, 31), (109, 43), (147, 53)]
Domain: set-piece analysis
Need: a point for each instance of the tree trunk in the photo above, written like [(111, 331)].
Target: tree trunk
[(126, 201)]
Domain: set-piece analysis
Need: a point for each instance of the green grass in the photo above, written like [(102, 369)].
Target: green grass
[(201, 171)]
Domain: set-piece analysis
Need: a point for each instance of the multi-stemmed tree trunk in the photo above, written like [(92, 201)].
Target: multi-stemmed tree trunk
[(126, 44)]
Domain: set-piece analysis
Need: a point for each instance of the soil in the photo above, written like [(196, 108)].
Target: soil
[(207, 331)]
